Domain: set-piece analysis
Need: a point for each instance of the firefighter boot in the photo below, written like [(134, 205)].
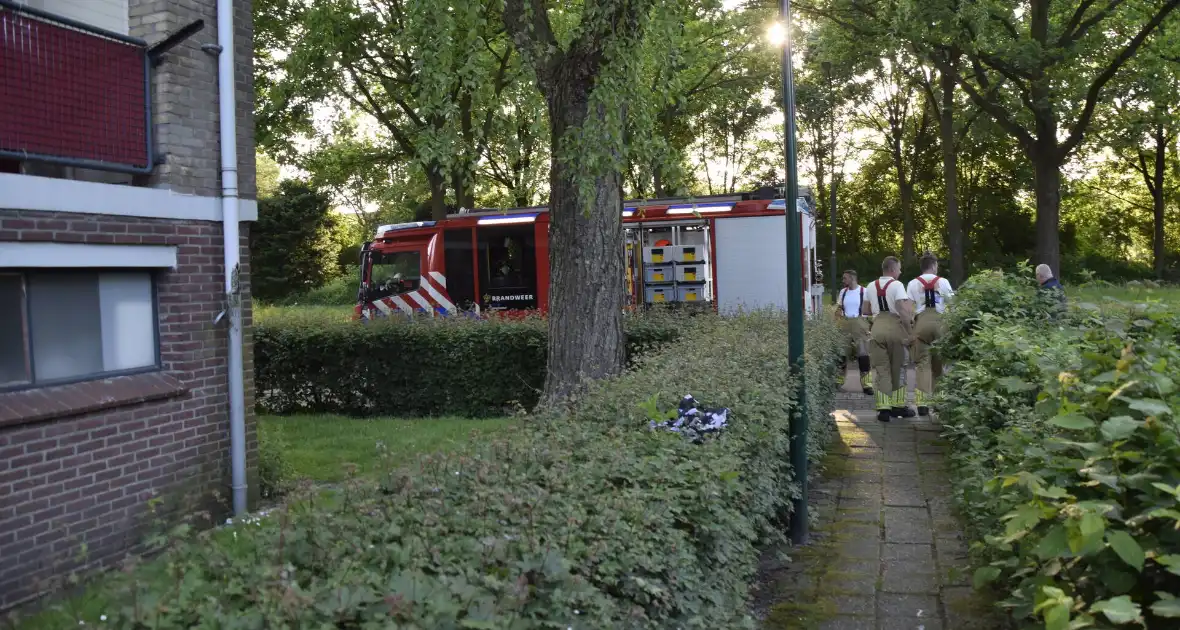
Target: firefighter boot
[(866, 375), (923, 399), (884, 414), (900, 408)]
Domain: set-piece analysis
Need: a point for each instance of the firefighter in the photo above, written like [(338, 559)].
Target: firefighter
[(892, 309), (848, 309), (930, 295)]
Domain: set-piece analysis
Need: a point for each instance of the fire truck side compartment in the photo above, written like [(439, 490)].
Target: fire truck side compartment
[(751, 263)]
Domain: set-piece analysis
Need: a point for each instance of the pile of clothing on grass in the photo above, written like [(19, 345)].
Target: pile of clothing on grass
[(693, 421)]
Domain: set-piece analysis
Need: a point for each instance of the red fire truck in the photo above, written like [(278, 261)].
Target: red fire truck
[(727, 252)]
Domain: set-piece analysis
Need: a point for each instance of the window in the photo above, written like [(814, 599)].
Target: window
[(393, 273), (72, 325)]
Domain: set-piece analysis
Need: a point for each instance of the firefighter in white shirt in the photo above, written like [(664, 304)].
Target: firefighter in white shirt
[(930, 294), (892, 310), (856, 326)]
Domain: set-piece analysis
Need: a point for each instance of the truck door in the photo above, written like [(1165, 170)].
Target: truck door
[(507, 267), (459, 260)]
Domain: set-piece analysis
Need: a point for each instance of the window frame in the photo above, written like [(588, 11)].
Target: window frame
[(28, 323)]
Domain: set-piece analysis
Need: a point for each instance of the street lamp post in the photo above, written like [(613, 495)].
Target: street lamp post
[(795, 314)]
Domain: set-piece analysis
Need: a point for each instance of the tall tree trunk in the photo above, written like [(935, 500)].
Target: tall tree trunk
[(1157, 202), (950, 172), (1047, 187), (657, 176), (905, 191), (1045, 155), (463, 179), (586, 291), (586, 297), (438, 192)]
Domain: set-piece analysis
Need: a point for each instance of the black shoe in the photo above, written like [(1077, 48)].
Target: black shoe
[(903, 412), (868, 391), (884, 416), (923, 411)]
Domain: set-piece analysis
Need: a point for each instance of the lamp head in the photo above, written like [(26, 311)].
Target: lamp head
[(777, 34)]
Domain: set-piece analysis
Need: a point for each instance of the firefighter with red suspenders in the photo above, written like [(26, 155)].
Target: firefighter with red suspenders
[(856, 327), (930, 294), (892, 311)]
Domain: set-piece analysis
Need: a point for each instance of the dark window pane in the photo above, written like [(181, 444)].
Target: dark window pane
[(66, 326), (14, 361)]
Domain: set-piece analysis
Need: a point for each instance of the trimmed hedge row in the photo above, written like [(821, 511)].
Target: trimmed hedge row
[(1066, 452), (425, 367), (586, 520)]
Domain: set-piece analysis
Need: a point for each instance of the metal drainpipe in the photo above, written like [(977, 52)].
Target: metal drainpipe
[(229, 218)]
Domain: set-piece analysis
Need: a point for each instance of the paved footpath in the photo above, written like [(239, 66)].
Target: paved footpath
[(886, 550)]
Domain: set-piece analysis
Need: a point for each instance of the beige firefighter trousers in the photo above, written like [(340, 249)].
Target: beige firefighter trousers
[(887, 352), (928, 327), (857, 330)]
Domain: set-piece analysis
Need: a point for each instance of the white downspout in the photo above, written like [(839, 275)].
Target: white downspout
[(229, 218)]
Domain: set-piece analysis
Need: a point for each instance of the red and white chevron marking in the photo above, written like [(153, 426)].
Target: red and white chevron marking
[(430, 296)]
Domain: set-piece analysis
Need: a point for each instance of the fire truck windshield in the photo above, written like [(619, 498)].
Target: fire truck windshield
[(393, 273)]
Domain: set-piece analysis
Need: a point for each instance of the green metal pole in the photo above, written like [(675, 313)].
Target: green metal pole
[(795, 313)]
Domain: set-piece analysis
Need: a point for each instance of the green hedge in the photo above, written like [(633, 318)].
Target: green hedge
[(587, 520), (306, 362), (1066, 456)]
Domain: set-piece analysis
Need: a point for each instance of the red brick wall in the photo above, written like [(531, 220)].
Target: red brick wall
[(86, 478)]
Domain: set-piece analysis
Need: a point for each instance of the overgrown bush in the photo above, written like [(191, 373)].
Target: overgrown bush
[(1066, 452), (442, 366), (584, 520), (339, 290), (275, 472)]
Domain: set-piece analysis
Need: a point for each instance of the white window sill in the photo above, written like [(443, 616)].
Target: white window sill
[(77, 255)]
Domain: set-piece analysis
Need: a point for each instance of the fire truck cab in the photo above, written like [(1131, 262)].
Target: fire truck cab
[(721, 252)]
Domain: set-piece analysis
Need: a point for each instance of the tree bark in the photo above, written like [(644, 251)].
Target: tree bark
[(950, 173), (586, 291), (1046, 156), (905, 191), (1047, 187), (657, 175), (585, 259), (438, 192), (463, 178), (1157, 202)]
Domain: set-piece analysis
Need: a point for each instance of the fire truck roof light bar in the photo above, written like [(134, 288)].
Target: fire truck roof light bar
[(403, 226), (509, 219), (691, 208)]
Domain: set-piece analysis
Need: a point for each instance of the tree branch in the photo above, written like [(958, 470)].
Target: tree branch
[(527, 22), (1076, 29), (1078, 130), (1129, 202), (379, 113), (1002, 117)]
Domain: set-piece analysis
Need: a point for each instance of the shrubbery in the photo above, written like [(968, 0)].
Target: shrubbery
[(582, 520), (421, 367), (1067, 456), (275, 472)]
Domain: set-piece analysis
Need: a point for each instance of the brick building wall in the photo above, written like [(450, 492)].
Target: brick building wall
[(185, 95), (79, 462)]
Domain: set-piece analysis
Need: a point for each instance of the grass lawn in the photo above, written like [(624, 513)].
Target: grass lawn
[(321, 447), (1169, 295), (264, 313)]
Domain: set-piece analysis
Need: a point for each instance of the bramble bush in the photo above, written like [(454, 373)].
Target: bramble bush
[(582, 519), (1066, 456), (413, 367)]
